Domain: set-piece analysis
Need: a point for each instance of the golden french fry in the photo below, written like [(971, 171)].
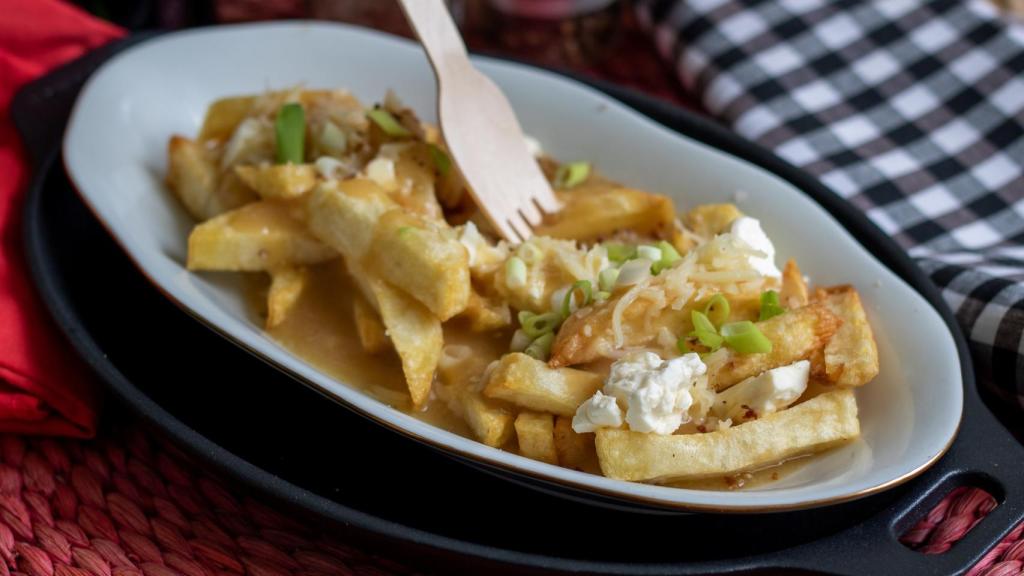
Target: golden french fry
[(278, 180), (490, 420), (485, 314), (416, 335), (597, 210), (536, 434), (793, 293), (815, 425), (795, 335), (708, 220), (369, 326), (259, 236), (574, 450), (224, 115), (414, 177), (344, 214), (286, 285), (192, 174), (428, 265), (851, 355), (532, 384)]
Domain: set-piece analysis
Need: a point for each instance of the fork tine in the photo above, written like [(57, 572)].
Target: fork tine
[(506, 231), (530, 212), (522, 229), (546, 199)]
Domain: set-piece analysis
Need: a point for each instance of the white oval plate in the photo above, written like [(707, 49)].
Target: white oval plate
[(114, 151)]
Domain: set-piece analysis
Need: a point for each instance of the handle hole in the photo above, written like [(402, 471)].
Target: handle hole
[(964, 505)]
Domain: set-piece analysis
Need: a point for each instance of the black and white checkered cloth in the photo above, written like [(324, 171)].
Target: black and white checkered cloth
[(912, 111)]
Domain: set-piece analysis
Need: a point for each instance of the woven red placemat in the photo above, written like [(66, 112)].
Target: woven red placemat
[(126, 504)]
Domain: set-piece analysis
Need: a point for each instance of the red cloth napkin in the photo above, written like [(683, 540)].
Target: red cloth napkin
[(44, 388)]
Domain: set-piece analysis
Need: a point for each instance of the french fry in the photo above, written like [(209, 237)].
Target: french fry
[(795, 335), (414, 176), (224, 115), (851, 355), (708, 220), (597, 210), (485, 314), (278, 180), (815, 425), (490, 420), (574, 450), (369, 326), (344, 214), (259, 236), (532, 384), (286, 285), (428, 265), (192, 174), (536, 434), (416, 335), (793, 293)]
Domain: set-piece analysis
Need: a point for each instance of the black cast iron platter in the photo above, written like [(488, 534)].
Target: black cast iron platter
[(281, 439)]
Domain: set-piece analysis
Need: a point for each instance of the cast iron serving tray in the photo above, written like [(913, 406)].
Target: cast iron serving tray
[(279, 438)]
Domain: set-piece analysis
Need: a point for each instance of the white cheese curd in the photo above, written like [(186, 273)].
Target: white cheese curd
[(251, 136), (657, 393), (381, 171), (331, 168), (764, 394), (749, 231), (599, 411)]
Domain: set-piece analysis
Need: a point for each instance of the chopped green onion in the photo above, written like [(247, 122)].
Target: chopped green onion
[(652, 253), (619, 253), (541, 324), (405, 231), (540, 348), (705, 331), (290, 130), (441, 160), (770, 305), (388, 123), (583, 286), (602, 295), (332, 139), (669, 256), (572, 175), (717, 309), (515, 272), (745, 338), (606, 279), (524, 315)]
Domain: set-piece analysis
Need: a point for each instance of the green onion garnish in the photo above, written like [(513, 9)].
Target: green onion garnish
[(745, 338), (391, 126), (602, 295), (669, 256), (290, 130), (583, 286), (619, 253), (652, 253), (524, 315), (705, 331), (572, 175), (770, 305), (441, 160), (515, 272), (606, 279), (405, 231), (540, 348), (540, 324), (717, 309)]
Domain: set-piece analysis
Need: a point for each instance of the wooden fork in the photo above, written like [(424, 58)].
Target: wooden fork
[(480, 129)]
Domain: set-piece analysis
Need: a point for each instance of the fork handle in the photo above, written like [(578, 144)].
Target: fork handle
[(437, 32)]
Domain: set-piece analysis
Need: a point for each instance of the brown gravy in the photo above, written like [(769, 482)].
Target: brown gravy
[(321, 330)]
